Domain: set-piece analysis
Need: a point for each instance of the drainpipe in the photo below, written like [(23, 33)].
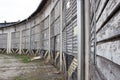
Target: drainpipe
[(61, 4), (87, 26), (80, 39)]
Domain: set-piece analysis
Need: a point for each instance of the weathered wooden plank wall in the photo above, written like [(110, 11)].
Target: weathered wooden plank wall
[(70, 35), (15, 41), (3, 42), (106, 37), (45, 33)]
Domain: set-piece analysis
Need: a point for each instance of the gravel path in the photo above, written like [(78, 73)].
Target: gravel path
[(12, 68)]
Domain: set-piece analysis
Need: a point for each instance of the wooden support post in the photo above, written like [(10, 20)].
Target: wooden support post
[(20, 46), (49, 37)]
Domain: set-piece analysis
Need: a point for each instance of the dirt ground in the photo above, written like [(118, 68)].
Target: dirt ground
[(12, 68)]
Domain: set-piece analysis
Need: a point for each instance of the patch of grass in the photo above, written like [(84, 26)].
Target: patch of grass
[(23, 57), (17, 78)]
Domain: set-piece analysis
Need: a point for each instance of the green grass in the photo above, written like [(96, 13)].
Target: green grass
[(24, 58), (17, 78)]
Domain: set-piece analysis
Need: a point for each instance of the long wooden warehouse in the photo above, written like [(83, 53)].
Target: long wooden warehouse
[(79, 37)]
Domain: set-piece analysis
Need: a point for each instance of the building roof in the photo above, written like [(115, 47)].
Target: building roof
[(7, 24)]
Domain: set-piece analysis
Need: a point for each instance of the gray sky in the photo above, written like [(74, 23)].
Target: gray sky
[(14, 10)]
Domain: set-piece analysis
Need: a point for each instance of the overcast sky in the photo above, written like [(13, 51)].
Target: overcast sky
[(14, 10)]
